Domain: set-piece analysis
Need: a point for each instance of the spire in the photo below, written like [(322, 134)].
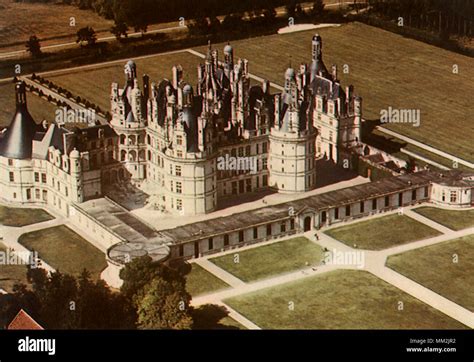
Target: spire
[(18, 139)]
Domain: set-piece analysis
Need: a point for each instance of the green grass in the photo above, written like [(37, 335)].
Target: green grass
[(386, 69), (17, 217), (65, 250), (11, 274), (434, 267), (453, 219), (265, 261), (343, 299), (383, 232), (199, 281)]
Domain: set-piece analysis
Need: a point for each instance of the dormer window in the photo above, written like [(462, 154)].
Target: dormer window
[(10, 162)]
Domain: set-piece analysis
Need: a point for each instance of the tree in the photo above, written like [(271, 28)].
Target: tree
[(33, 46), (163, 304), (291, 9), (318, 8), (158, 294), (86, 35), (119, 29), (62, 301)]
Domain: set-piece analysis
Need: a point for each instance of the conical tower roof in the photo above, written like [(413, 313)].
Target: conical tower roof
[(17, 141)]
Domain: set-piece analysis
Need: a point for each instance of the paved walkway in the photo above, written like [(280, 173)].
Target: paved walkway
[(11, 235), (375, 263), (425, 147)]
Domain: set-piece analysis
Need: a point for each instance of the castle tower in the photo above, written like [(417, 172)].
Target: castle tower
[(128, 107), (76, 173), (292, 138)]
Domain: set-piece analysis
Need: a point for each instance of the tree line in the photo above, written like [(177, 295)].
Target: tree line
[(447, 18), (153, 296)]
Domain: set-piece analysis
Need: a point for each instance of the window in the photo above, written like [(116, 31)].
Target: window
[(37, 177), (348, 210), (181, 250), (374, 204), (265, 180), (258, 148), (248, 185), (453, 196), (66, 192), (179, 204), (443, 196), (255, 233), (413, 195), (292, 224), (12, 177), (43, 178), (226, 240), (179, 153), (37, 194), (171, 169), (362, 206), (172, 186), (426, 191), (241, 236), (336, 213), (28, 194), (45, 195), (179, 140), (283, 228), (269, 230), (178, 170), (400, 199), (10, 162), (264, 147), (387, 201), (247, 151), (210, 244), (241, 151), (179, 188), (234, 188)]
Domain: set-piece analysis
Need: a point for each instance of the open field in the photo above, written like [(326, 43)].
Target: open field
[(383, 232), (65, 250), (39, 108), (19, 20), (386, 70), (11, 274), (265, 261), (18, 217), (94, 83), (200, 281), (453, 219), (338, 300), (435, 267)]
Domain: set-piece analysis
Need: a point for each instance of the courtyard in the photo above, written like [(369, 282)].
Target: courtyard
[(382, 232)]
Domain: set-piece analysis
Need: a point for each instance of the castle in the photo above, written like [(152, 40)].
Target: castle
[(194, 146), (176, 136)]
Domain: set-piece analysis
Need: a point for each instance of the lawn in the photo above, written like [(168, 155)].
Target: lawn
[(94, 83), (199, 281), (342, 299), (18, 217), (11, 274), (39, 108), (265, 261), (453, 219), (20, 20), (382, 232), (65, 250), (386, 69), (434, 267)]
